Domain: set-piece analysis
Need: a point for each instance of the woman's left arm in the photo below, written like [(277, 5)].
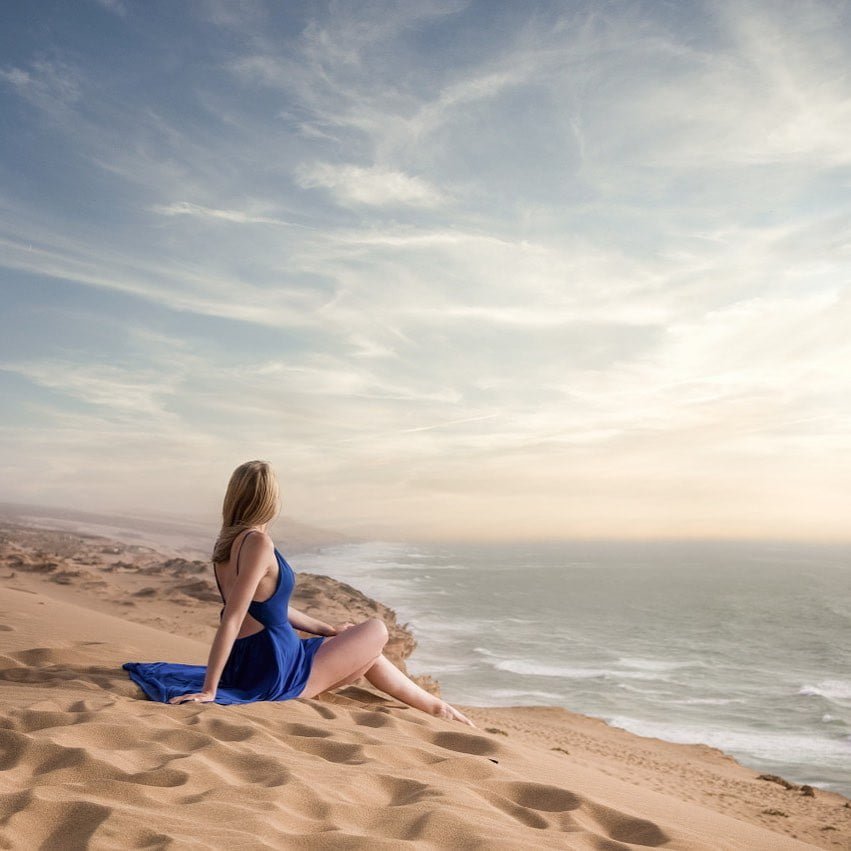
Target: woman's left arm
[(299, 620)]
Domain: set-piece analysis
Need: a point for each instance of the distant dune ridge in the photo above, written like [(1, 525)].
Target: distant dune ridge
[(86, 761), (179, 536)]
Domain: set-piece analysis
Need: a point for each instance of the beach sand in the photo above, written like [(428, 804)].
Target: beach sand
[(87, 761)]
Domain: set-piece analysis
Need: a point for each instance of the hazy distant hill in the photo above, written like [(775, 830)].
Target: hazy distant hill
[(188, 537)]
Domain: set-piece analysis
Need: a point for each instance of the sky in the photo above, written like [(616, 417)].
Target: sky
[(457, 270)]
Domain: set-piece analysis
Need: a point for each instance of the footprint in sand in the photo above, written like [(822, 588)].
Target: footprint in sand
[(624, 828), (306, 731), (375, 719), (529, 802), (31, 720), (538, 796), (322, 710), (224, 731), (164, 777), (400, 791), (182, 741), (331, 751), (57, 824), (544, 806), (464, 743), (237, 767)]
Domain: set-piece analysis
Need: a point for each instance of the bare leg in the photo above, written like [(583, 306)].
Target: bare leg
[(386, 676)]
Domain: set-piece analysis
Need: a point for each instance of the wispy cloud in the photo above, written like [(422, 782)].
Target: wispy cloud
[(52, 85), (184, 208), (107, 386), (374, 185), (118, 7), (547, 269)]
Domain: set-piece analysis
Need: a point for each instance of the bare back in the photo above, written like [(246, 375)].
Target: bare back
[(229, 571)]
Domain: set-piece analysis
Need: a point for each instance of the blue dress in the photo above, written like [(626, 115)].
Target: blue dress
[(272, 664)]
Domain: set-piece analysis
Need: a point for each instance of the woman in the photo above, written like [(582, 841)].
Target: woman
[(256, 654)]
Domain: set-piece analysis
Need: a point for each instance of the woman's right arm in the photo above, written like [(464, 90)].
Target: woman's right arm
[(254, 558)]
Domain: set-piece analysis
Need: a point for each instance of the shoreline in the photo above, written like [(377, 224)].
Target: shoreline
[(156, 589)]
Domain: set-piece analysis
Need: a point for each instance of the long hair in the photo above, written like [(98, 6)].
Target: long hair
[(250, 500)]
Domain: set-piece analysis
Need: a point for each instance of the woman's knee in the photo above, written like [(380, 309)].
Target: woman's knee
[(348, 654), (380, 628), (373, 634)]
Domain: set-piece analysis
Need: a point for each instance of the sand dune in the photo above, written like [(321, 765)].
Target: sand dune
[(86, 761)]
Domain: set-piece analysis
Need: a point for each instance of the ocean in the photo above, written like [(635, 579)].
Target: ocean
[(742, 646)]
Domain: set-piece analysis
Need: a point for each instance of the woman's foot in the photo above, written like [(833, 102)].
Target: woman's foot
[(450, 713)]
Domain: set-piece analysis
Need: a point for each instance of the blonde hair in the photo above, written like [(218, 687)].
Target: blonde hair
[(251, 499)]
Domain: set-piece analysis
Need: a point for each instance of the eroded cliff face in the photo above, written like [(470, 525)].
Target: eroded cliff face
[(159, 588)]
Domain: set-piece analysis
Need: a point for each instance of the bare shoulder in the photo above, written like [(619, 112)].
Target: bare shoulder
[(252, 545), (254, 558), (258, 543)]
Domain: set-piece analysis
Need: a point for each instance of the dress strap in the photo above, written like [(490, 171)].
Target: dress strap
[(216, 573), (240, 550)]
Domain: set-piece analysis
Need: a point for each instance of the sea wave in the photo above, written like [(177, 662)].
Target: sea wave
[(831, 689), (640, 656), (519, 693), (646, 692), (659, 664), (570, 672), (762, 745)]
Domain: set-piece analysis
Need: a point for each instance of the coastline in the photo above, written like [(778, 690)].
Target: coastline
[(77, 585)]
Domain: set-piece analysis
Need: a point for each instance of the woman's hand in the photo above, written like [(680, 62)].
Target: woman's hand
[(341, 627), (198, 697)]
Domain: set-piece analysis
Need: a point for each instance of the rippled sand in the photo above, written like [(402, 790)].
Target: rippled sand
[(86, 761)]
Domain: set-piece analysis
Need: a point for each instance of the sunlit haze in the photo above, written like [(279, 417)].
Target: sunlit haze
[(457, 270)]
